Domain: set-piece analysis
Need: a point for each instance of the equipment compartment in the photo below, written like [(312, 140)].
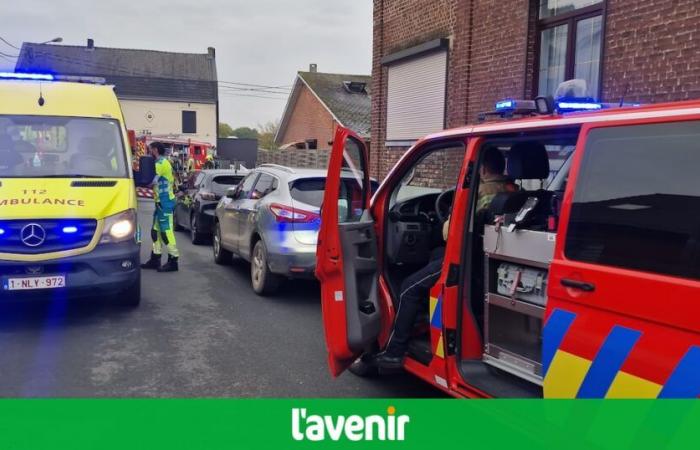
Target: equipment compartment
[(527, 246), (517, 266), (513, 337)]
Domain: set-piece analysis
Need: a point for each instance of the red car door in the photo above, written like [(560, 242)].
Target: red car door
[(346, 255), (622, 316)]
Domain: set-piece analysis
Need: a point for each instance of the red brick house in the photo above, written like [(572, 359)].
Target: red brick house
[(319, 102), (438, 64)]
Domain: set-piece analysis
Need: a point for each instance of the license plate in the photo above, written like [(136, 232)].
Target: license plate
[(29, 283)]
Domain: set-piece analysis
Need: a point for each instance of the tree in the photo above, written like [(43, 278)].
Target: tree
[(245, 133), (268, 131), (225, 130)]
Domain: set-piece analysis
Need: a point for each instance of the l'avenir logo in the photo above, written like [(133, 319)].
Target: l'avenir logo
[(314, 427)]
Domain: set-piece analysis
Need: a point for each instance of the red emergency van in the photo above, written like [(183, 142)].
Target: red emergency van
[(584, 282)]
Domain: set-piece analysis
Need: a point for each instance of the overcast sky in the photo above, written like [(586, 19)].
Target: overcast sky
[(261, 42)]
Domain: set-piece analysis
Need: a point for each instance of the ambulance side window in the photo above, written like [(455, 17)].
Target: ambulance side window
[(637, 200)]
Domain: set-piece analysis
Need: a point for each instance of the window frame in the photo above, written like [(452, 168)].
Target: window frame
[(274, 185), (424, 50), (570, 19), (239, 188)]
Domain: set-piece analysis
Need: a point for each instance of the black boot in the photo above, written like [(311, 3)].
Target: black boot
[(170, 266), (385, 361), (153, 263)]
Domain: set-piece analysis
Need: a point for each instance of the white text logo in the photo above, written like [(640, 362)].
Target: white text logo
[(354, 428)]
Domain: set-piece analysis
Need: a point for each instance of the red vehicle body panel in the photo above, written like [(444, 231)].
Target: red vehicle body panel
[(665, 310)]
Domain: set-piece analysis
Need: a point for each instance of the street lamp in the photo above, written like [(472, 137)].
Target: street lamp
[(56, 39)]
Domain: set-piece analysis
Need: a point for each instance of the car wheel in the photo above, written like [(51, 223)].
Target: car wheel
[(221, 255), (196, 237), (131, 297), (176, 222), (264, 282)]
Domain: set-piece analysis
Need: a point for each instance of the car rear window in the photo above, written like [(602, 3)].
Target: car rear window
[(309, 191), (221, 183)]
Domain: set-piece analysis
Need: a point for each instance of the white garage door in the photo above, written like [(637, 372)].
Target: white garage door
[(416, 97)]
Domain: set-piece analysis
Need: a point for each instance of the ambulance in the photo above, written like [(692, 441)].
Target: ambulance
[(68, 223), (584, 282)]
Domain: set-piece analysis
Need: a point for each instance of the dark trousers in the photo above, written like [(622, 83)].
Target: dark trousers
[(414, 293)]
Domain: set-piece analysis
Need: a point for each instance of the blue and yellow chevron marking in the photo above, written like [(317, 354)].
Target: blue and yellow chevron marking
[(436, 323), (436, 312), (570, 376), (553, 334), (684, 382), (608, 362)]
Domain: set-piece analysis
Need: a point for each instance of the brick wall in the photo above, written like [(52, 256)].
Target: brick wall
[(654, 47), (650, 46), (309, 120), (401, 24)]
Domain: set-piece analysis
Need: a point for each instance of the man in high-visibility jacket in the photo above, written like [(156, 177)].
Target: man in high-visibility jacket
[(162, 231)]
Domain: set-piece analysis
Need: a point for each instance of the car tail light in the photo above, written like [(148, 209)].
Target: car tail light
[(208, 195), (284, 213)]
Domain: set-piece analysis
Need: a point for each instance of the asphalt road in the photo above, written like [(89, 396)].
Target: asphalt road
[(201, 332)]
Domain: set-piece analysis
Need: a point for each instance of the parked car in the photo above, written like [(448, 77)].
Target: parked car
[(272, 220), (197, 201)]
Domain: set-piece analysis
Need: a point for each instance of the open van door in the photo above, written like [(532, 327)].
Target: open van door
[(346, 256)]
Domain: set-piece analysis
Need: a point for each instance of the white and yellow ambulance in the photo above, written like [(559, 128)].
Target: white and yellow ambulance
[(68, 223)]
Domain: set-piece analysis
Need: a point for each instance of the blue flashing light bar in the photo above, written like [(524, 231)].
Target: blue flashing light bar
[(70, 230), (26, 76), (579, 106), (2, 231), (505, 105)]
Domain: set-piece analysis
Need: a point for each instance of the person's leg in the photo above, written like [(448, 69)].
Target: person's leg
[(414, 292), (167, 236), (157, 249)]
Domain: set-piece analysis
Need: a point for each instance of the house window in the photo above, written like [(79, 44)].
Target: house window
[(416, 84), (570, 37), (189, 122)]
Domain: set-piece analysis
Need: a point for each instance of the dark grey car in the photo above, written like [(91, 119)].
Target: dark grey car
[(198, 198)]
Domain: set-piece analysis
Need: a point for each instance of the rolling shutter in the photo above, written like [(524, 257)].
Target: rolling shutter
[(416, 97)]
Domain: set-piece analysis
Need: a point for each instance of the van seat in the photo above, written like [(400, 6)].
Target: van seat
[(526, 161)]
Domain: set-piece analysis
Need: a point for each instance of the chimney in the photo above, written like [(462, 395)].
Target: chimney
[(211, 52), (90, 44), (313, 68)]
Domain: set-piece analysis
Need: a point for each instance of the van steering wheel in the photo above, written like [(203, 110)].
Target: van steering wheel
[(443, 204)]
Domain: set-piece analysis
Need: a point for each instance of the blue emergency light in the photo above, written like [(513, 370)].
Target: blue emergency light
[(573, 105), (505, 105), (2, 231), (70, 230), (26, 76)]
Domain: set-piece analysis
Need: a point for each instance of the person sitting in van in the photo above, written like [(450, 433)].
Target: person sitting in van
[(9, 158), (416, 288)]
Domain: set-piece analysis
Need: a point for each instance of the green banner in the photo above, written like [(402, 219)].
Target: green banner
[(358, 424)]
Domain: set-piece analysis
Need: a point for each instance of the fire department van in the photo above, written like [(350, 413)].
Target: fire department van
[(584, 282), (67, 200)]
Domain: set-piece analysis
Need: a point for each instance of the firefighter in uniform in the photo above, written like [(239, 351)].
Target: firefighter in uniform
[(416, 287), (162, 231)]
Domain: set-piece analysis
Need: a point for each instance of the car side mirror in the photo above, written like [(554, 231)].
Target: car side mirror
[(232, 193)]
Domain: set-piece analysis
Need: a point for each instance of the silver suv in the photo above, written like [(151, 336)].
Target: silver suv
[(271, 219)]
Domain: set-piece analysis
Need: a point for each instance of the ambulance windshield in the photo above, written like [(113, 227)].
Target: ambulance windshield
[(61, 147)]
